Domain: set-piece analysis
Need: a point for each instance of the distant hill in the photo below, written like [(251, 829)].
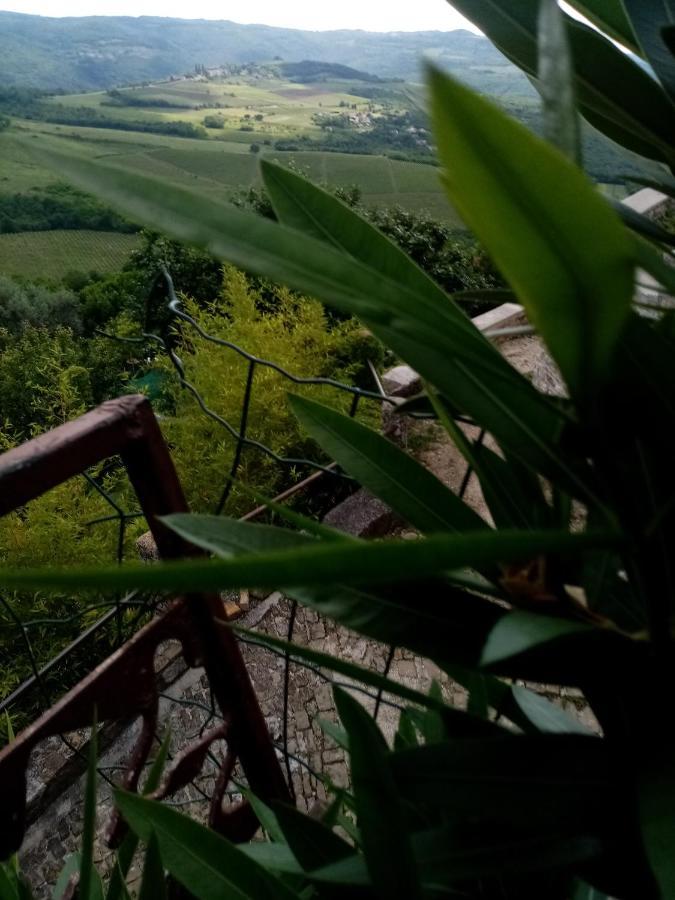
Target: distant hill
[(310, 70), (95, 52)]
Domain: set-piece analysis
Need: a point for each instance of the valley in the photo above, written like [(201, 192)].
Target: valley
[(205, 129)]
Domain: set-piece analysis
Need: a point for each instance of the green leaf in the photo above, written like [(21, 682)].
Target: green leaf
[(352, 563), (13, 862), (428, 331), (334, 732), (477, 701), (24, 888), (313, 844), (125, 855), (545, 715), (71, 867), (277, 857), (206, 864), (610, 17), (266, 816), (121, 889), (641, 224), (346, 822), (332, 813), (615, 94), (537, 785), (231, 537), (299, 521), (153, 885), (518, 632), (512, 492), (526, 645), (444, 617), (319, 214), (397, 479), (668, 35), (406, 734), (385, 842), (445, 857), (88, 886), (157, 767), (648, 18), (559, 245), (663, 182), (584, 891), (608, 593), (556, 81), (490, 297), (651, 260), (656, 796), (434, 620), (430, 724), (360, 675), (475, 378), (8, 889), (526, 709)]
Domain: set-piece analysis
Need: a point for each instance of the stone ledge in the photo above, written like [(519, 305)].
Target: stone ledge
[(647, 202), (362, 515), (401, 381), (504, 316)]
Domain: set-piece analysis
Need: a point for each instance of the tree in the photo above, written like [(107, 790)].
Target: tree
[(213, 121)]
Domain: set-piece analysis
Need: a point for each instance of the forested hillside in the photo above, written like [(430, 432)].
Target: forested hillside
[(76, 54)]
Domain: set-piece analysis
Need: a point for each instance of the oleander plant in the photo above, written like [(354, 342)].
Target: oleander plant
[(569, 582)]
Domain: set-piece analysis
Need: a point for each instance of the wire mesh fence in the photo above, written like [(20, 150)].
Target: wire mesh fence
[(39, 666), (45, 668)]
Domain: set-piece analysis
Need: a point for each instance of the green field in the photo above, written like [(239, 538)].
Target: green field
[(272, 107), (220, 169), (52, 254)]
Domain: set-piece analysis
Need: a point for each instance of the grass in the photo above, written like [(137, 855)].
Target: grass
[(52, 254)]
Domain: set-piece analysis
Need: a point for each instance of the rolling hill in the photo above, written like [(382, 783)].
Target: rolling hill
[(94, 52)]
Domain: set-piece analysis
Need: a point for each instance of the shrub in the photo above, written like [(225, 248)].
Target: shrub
[(42, 380), (294, 332), (57, 206), (213, 121), (193, 271), (30, 304), (105, 298)]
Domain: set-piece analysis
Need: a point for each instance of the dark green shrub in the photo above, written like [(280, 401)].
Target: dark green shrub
[(213, 121), (24, 305)]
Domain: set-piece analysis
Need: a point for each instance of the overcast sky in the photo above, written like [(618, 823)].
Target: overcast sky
[(372, 15)]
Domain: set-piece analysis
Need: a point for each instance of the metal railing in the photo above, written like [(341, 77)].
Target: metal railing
[(124, 614)]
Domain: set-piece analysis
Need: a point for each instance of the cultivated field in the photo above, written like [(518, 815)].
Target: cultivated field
[(271, 107), (52, 254), (220, 169), (257, 110)]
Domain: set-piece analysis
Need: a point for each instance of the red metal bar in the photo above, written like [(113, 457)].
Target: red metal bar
[(124, 685)]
